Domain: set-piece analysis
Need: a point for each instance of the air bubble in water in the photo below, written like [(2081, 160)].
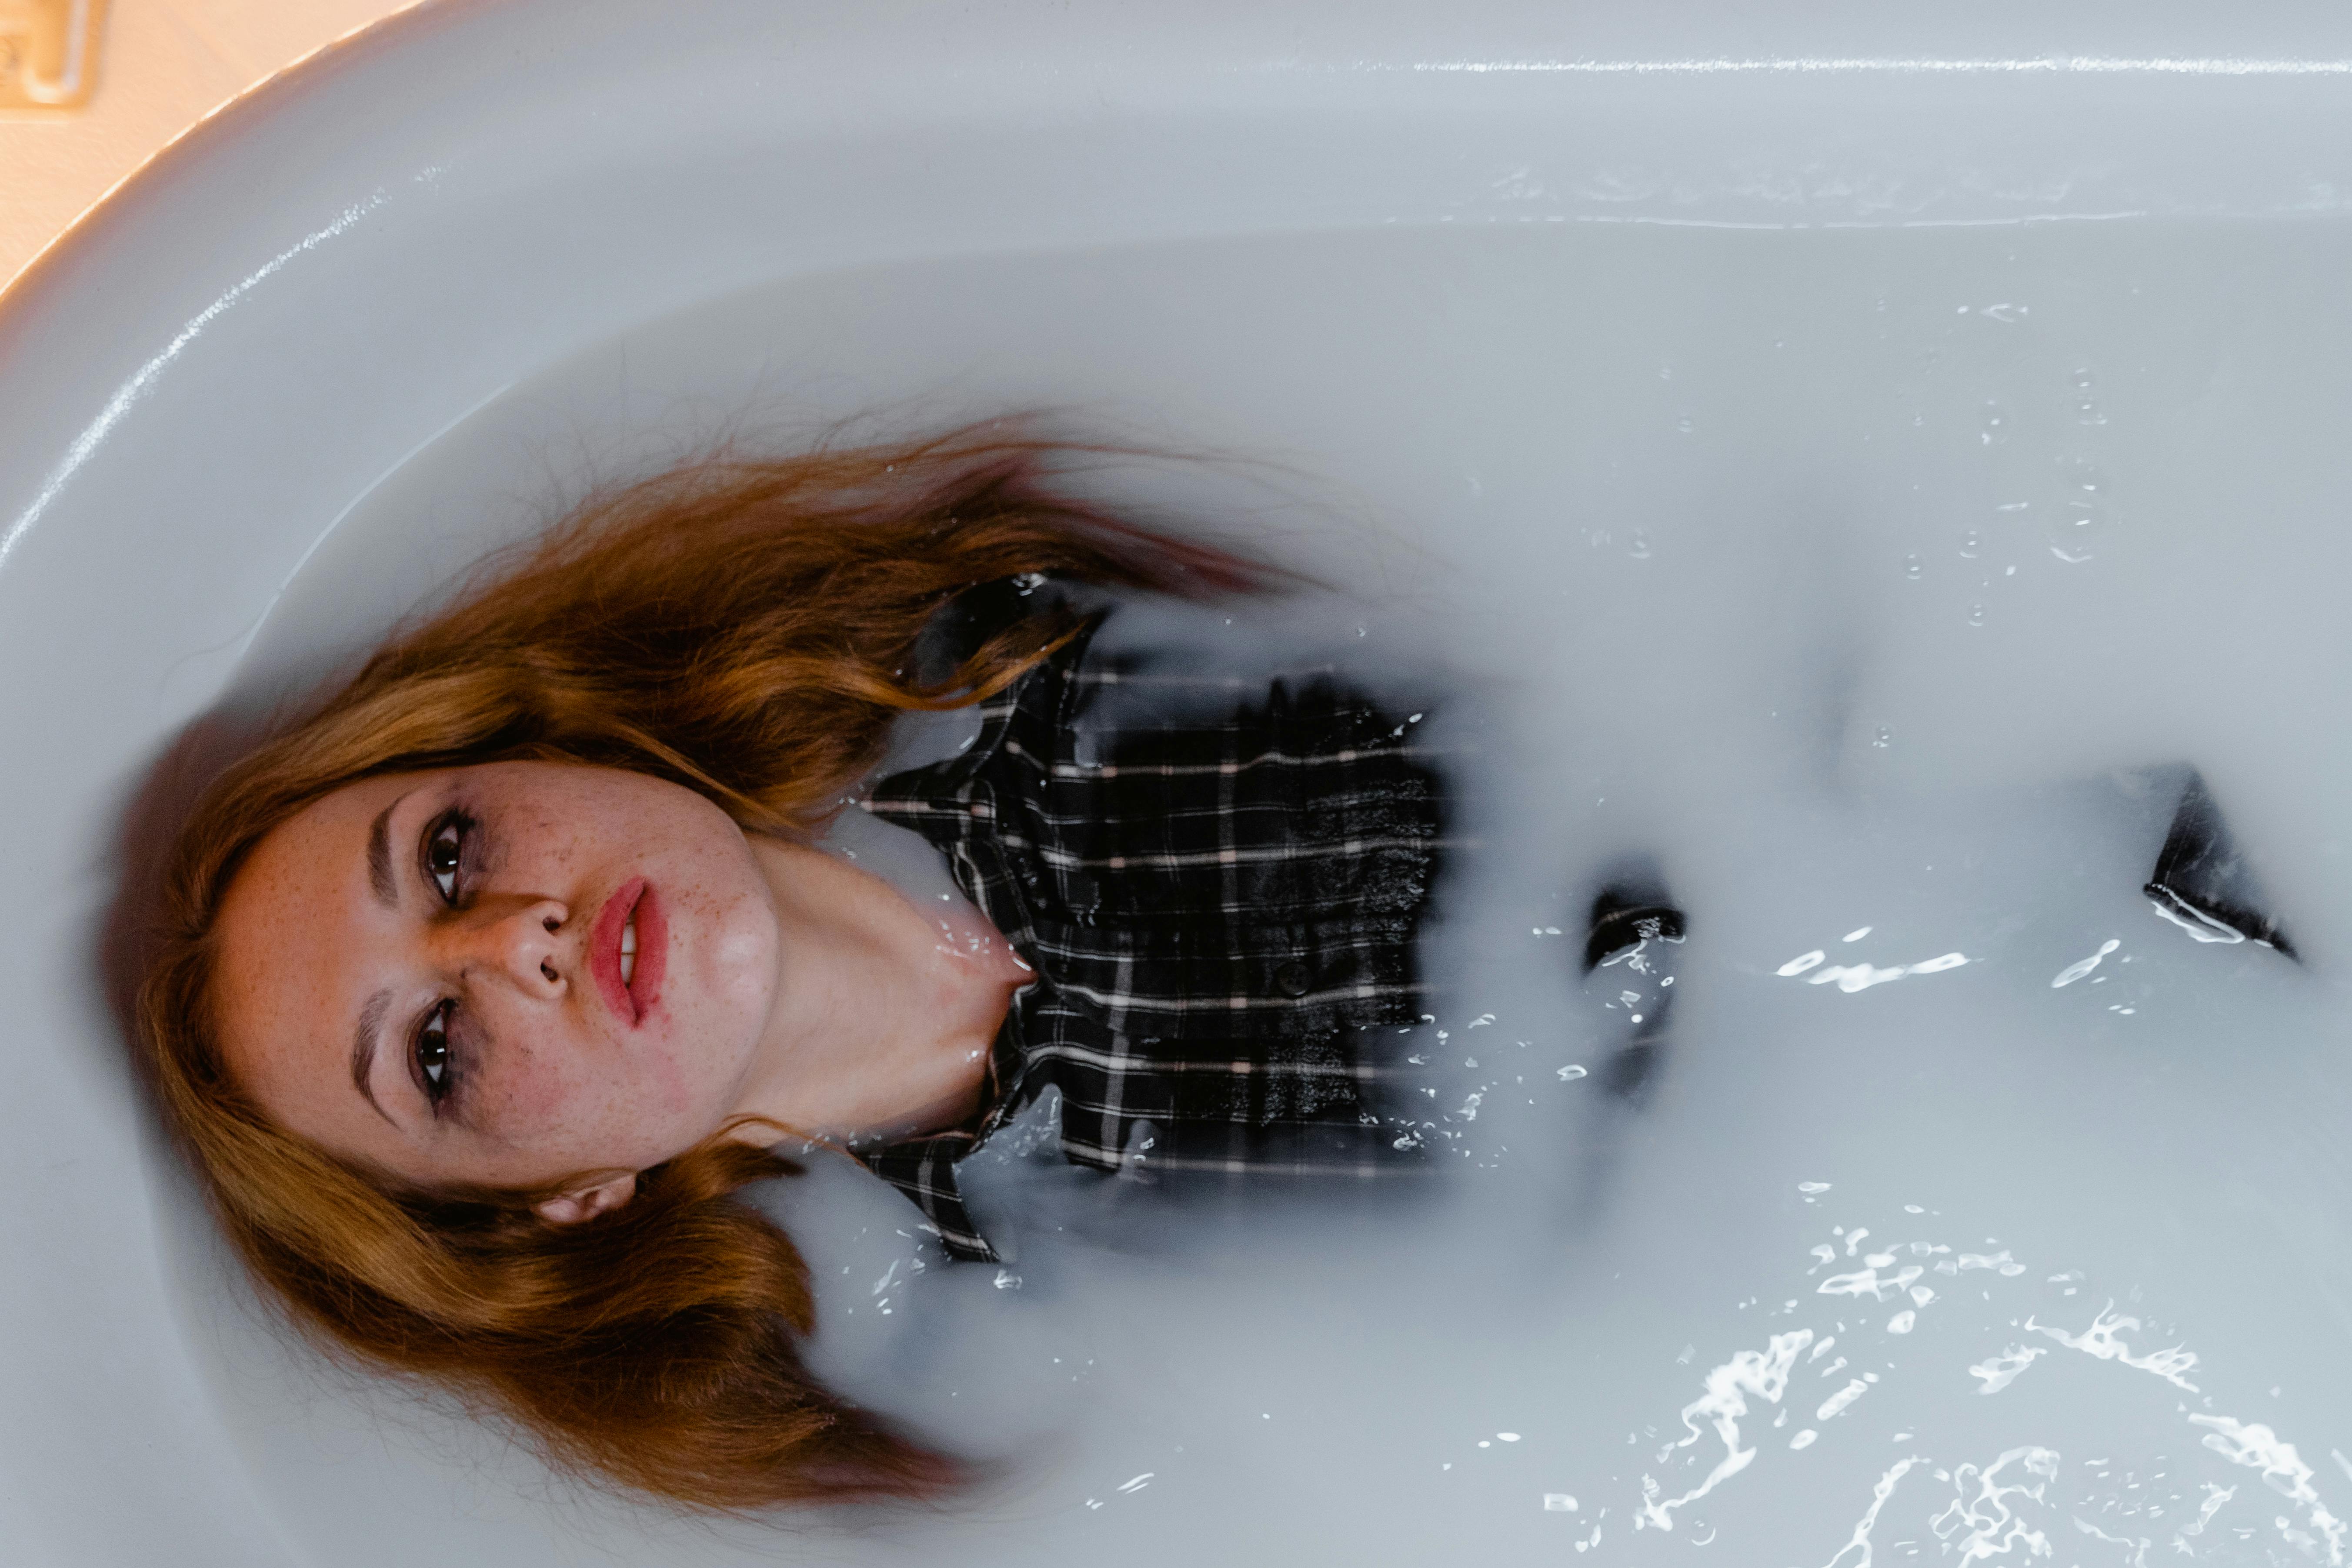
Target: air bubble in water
[(1638, 547), (1882, 739), (1995, 428), (1912, 566), (1976, 614), (1971, 543), (1683, 425)]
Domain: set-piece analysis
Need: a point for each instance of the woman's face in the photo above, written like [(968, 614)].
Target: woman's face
[(501, 975)]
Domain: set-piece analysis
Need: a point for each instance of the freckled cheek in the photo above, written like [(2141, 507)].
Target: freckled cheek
[(672, 1083), (536, 1093), (648, 1103), (735, 967), (651, 1103)]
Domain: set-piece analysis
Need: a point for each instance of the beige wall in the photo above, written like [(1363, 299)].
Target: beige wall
[(166, 64)]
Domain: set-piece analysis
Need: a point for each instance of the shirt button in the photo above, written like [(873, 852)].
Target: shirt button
[(1291, 979)]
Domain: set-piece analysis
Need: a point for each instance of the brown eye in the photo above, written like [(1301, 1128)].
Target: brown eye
[(445, 852), (432, 1048)]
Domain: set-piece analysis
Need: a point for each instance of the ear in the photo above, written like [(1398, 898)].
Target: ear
[(587, 1203)]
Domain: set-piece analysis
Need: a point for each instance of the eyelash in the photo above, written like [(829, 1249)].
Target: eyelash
[(432, 1050)]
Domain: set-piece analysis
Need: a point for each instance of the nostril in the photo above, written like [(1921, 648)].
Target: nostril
[(547, 969), (552, 924)]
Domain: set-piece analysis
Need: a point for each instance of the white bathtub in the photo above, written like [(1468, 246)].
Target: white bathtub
[(1627, 361)]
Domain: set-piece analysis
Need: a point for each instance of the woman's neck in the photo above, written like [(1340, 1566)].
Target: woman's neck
[(884, 1013)]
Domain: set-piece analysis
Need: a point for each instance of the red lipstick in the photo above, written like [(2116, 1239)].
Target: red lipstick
[(632, 999)]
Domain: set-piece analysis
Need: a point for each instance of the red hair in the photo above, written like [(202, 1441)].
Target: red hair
[(746, 629)]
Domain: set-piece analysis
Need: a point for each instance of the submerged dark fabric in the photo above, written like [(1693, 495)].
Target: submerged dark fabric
[(1219, 900)]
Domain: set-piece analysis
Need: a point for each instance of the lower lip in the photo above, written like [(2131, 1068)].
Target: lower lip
[(630, 1002)]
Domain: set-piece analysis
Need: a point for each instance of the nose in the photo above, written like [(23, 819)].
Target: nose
[(523, 941)]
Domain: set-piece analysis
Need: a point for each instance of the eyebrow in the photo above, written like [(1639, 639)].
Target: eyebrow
[(363, 1047), (379, 857)]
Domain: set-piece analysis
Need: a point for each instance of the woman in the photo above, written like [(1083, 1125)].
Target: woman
[(487, 984)]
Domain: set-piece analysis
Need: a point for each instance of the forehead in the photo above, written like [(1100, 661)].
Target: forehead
[(292, 938)]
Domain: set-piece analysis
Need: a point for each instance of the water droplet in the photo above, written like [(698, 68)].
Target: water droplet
[(1994, 429), (1912, 566), (1918, 419), (1976, 615), (1884, 739), (1971, 543), (2079, 527), (2080, 475), (1666, 372), (1638, 547), (2085, 399), (1683, 425)]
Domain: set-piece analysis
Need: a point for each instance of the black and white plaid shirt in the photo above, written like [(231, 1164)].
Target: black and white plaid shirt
[(1221, 907)]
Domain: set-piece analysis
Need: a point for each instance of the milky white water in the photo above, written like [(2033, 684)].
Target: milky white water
[(1866, 581)]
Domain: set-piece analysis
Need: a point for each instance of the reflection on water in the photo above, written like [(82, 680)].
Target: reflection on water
[(2009, 1505)]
